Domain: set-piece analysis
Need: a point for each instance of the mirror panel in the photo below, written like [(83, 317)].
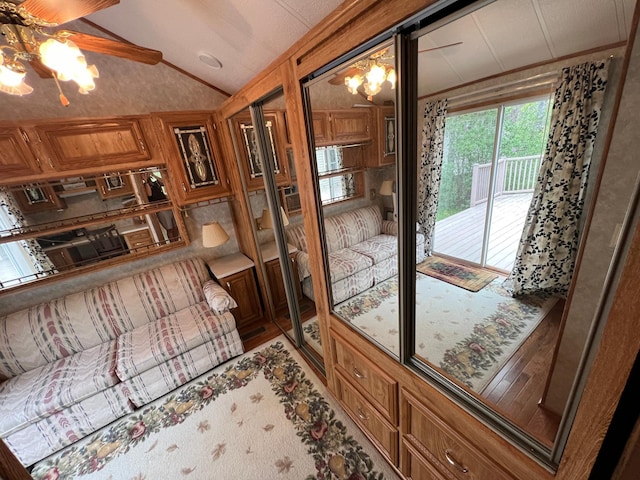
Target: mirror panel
[(55, 227), (354, 134), (485, 175)]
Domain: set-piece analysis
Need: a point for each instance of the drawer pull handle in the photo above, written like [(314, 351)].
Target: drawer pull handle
[(362, 415), (229, 287), (358, 374), (456, 464)]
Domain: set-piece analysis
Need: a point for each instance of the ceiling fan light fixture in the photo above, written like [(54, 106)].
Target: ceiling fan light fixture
[(66, 59), (353, 83), (12, 75)]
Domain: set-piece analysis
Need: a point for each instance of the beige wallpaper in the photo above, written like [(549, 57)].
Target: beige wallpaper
[(123, 88)]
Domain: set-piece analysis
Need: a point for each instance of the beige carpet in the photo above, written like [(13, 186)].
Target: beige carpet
[(264, 415)]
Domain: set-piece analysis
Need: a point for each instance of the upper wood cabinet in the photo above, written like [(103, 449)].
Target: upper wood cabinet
[(114, 185), (38, 198), (349, 125), (16, 159), (105, 142), (248, 151), (193, 155), (385, 124)]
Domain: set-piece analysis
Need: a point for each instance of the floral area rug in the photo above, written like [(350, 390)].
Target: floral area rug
[(261, 416), (464, 276), (469, 336), (311, 331)]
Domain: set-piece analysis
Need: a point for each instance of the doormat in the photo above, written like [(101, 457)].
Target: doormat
[(463, 276)]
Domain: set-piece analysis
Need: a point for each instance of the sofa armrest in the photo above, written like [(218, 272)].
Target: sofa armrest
[(304, 268), (389, 227), (217, 297)]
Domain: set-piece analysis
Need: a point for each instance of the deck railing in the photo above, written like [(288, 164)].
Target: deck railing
[(513, 175)]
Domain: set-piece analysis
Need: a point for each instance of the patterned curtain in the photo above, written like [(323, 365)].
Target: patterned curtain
[(430, 169), (548, 246), (37, 257)]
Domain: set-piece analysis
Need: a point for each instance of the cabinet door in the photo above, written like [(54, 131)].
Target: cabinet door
[(321, 132), (103, 143), (114, 185), (248, 149), (16, 158), (350, 125), (242, 287), (64, 258), (385, 138), (194, 157), (276, 284), (38, 198)]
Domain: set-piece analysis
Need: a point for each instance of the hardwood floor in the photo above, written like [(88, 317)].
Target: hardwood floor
[(517, 388)]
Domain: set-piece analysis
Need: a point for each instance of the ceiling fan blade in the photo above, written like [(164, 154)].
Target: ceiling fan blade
[(57, 11), (440, 47), (339, 77), (115, 48), (40, 68)]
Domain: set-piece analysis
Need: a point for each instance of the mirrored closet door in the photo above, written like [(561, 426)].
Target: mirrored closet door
[(266, 162)]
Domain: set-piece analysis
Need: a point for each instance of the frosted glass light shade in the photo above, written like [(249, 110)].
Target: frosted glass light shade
[(213, 235)]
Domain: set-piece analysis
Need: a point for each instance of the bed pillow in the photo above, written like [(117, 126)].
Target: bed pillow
[(218, 298)]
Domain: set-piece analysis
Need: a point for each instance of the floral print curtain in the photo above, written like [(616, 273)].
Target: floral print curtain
[(11, 210), (548, 246), (430, 169)]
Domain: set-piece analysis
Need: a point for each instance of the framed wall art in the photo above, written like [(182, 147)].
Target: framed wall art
[(195, 151)]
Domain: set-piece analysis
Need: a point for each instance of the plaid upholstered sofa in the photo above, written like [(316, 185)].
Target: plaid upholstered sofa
[(74, 364), (362, 249)]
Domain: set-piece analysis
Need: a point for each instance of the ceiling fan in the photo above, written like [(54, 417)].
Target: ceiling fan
[(377, 63), (28, 38)]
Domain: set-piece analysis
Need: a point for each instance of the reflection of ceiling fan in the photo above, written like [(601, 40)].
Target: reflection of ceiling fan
[(27, 39), (379, 57)]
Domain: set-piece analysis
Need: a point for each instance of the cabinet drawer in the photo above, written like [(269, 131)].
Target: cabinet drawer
[(415, 466), (141, 238), (373, 383), (385, 434), (450, 452)]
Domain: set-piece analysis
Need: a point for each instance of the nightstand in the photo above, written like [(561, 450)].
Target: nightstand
[(271, 260), (236, 275)]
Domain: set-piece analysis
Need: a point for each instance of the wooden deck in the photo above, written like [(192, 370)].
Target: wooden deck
[(460, 235)]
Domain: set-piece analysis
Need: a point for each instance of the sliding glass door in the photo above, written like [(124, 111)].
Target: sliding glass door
[(490, 164)]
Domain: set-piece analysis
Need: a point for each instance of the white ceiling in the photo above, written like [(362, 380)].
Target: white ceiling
[(245, 35), (509, 34)]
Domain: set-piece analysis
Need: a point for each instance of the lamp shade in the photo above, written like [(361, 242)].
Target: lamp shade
[(267, 222), (213, 235), (386, 189)]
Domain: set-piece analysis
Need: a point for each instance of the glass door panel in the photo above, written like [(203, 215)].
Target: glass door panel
[(465, 185)]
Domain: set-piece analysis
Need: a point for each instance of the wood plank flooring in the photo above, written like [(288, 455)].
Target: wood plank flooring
[(517, 388)]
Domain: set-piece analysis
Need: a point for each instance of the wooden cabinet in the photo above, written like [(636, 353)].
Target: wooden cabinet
[(38, 198), (114, 185), (248, 150), (369, 395), (236, 275), (242, 287), (193, 156), (334, 127), (64, 258), (16, 158), (385, 128), (138, 239), (95, 144), (276, 283), (441, 447)]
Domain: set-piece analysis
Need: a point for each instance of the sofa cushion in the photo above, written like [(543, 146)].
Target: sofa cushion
[(348, 228), (177, 371), (64, 326), (352, 285), (41, 439), (347, 262), (378, 248), (158, 341), (51, 388)]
